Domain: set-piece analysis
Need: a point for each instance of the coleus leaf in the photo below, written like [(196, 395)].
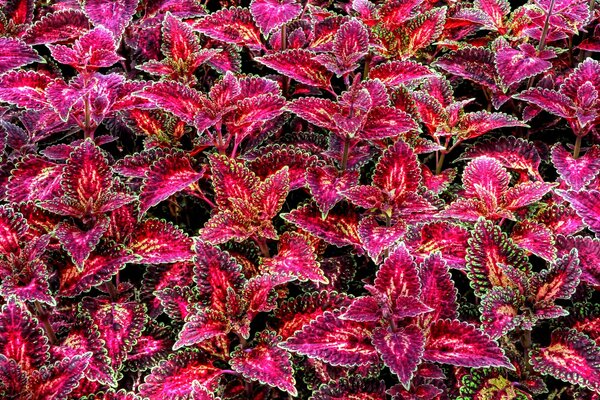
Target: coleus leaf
[(315, 110), (478, 123), (177, 98), (535, 238), (298, 64), (80, 243), (489, 249), (60, 26), (401, 350), (58, 380), (171, 377), (588, 250), (272, 14), (350, 45), (34, 178), (295, 257), (397, 276), (274, 157), (395, 73), (451, 240), (24, 88), (120, 324), (459, 343), (339, 228), (351, 387), (179, 42), (423, 30), (21, 338), (266, 363), (377, 238), (114, 16), (549, 100), (576, 172), (572, 357), (165, 177), (112, 394), (158, 241), (95, 49), (233, 25), (587, 205), (13, 229), (15, 54), (559, 281), (495, 10), (201, 326), (437, 290), (500, 311), (335, 341), (515, 65), (216, 272), (326, 184), (231, 180)]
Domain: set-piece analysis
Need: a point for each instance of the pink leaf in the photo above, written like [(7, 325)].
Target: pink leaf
[(165, 177), (549, 100), (587, 205), (80, 243), (395, 73), (266, 363), (231, 25), (24, 89), (326, 184), (557, 282), (400, 350), (176, 98), (15, 54), (58, 380), (572, 357), (335, 341), (588, 250), (536, 238), (437, 288), (500, 310), (478, 123), (515, 65), (398, 171), (296, 257), (114, 15), (272, 14), (60, 26), (459, 343), (95, 49), (579, 172), (298, 64)]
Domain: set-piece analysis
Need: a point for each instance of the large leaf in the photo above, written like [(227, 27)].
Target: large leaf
[(576, 172), (559, 281), (95, 49), (335, 341), (59, 26), (266, 363), (459, 343), (437, 289), (587, 205), (158, 241), (58, 380), (24, 88), (231, 25), (21, 338), (398, 171), (295, 257), (272, 14), (299, 65), (16, 53), (572, 357)]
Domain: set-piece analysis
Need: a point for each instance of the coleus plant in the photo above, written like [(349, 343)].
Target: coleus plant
[(276, 199)]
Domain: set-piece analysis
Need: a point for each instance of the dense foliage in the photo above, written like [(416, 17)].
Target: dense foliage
[(317, 199)]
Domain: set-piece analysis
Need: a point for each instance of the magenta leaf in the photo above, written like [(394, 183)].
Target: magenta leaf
[(500, 310), (588, 250), (181, 100), (437, 290), (378, 237), (572, 357), (15, 54), (34, 178), (549, 100), (576, 172), (397, 276), (58, 380), (535, 238), (335, 341), (60, 26), (95, 49), (587, 205), (350, 45), (120, 324), (490, 249), (515, 65), (24, 88), (165, 177), (298, 64), (459, 343), (395, 73), (80, 243), (316, 111), (199, 327), (272, 14), (326, 184), (478, 123), (22, 339), (400, 350), (114, 15), (447, 238), (158, 241), (559, 281), (295, 257), (171, 378), (266, 363), (363, 309), (397, 171), (233, 25), (352, 387)]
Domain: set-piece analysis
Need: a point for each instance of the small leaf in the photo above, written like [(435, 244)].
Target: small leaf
[(559, 281), (395, 73), (233, 25), (114, 16), (500, 310), (79, 243)]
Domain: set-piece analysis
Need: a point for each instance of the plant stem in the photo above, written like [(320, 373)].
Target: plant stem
[(262, 245), (345, 154), (526, 343), (440, 163), (86, 130), (43, 317), (112, 290), (367, 66), (542, 43), (577, 148), (285, 83)]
